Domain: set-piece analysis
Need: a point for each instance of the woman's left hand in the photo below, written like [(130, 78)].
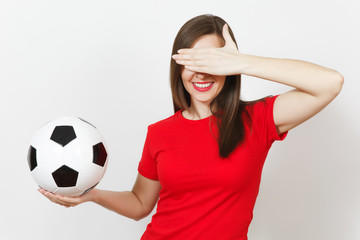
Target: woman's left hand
[(68, 201), (215, 61)]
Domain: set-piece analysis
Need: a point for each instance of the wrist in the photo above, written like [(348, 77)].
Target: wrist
[(92, 196), (244, 63)]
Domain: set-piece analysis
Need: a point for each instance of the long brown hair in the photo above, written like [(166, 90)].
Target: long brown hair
[(229, 107)]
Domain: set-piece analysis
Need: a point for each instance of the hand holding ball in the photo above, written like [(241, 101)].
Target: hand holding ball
[(67, 156)]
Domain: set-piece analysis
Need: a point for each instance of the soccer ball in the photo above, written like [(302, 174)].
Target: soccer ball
[(67, 156)]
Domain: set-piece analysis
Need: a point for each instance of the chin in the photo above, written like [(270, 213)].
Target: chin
[(203, 100)]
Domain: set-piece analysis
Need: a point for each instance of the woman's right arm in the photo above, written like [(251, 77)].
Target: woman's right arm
[(135, 204)]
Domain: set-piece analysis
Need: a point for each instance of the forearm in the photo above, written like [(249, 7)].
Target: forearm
[(305, 76), (124, 203)]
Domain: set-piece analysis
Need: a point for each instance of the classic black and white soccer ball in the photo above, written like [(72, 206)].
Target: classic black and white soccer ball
[(67, 156)]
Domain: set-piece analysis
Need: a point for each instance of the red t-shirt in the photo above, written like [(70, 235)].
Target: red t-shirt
[(202, 196)]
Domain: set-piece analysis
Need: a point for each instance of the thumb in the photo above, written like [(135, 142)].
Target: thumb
[(229, 42)]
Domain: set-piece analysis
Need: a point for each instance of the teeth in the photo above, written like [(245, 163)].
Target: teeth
[(202, 85)]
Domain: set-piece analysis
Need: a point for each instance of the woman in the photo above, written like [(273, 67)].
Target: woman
[(203, 164)]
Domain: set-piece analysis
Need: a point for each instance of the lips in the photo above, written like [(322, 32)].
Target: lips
[(203, 86)]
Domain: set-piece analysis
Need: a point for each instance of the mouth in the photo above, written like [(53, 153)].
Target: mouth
[(203, 86)]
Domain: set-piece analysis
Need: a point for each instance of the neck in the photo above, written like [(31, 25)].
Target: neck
[(198, 110)]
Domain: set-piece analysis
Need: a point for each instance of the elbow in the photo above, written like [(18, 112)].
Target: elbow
[(339, 83), (336, 85), (141, 214), (137, 218), (140, 217)]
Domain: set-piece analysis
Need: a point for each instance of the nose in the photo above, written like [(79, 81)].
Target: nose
[(201, 75)]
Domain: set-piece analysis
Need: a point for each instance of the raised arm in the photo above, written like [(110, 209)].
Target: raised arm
[(315, 86), (135, 204)]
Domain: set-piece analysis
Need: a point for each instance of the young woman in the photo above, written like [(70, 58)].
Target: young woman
[(203, 165)]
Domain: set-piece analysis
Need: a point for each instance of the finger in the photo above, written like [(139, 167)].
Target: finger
[(193, 50), (41, 190), (182, 57), (226, 35), (197, 69), (52, 198), (190, 56), (55, 198), (62, 203), (190, 63), (68, 200), (185, 50)]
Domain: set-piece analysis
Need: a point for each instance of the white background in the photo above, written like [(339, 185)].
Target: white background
[(108, 62)]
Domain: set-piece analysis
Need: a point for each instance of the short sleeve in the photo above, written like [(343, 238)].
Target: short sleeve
[(264, 120), (148, 164)]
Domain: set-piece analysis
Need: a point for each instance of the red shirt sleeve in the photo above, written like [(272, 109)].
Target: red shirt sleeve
[(147, 165), (263, 118)]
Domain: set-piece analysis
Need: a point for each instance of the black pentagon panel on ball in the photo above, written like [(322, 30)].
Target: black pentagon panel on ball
[(100, 154), (63, 135), (32, 158), (65, 176)]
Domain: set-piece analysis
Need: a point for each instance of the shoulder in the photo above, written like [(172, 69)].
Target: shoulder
[(164, 124), (260, 105), (258, 110)]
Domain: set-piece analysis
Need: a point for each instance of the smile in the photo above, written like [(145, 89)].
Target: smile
[(202, 87)]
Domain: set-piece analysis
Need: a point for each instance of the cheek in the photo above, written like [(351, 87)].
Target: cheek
[(186, 75), (221, 82)]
